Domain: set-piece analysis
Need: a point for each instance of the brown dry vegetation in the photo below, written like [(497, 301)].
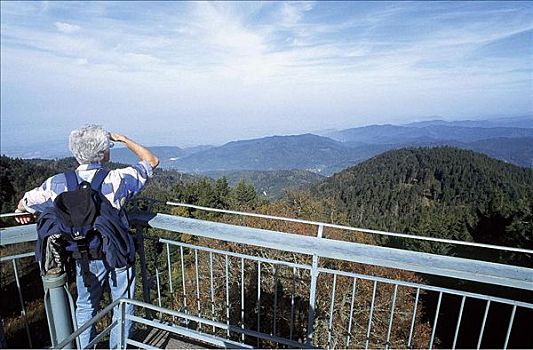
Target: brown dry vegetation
[(285, 287)]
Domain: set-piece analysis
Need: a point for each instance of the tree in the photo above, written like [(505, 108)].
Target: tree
[(221, 193), (244, 196)]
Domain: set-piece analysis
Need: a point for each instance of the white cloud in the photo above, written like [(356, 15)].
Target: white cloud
[(255, 64), (292, 12), (66, 28)]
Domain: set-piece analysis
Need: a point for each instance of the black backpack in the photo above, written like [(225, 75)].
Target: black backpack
[(90, 227)]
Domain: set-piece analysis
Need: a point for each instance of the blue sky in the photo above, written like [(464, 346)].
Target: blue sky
[(176, 73)]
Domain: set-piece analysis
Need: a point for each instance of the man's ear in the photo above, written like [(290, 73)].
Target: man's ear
[(106, 156)]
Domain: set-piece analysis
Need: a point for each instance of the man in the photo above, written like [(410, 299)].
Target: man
[(91, 145)]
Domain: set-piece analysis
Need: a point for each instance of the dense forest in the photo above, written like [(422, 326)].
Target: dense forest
[(440, 192), (270, 183)]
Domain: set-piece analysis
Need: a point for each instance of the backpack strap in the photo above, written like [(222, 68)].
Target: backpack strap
[(72, 180), (98, 179)]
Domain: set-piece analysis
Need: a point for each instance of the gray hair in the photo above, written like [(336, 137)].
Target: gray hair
[(89, 143)]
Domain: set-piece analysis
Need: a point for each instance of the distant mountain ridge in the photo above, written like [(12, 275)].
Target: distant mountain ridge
[(514, 122), (508, 139), (167, 154), (326, 156), (307, 151), (383, 134)]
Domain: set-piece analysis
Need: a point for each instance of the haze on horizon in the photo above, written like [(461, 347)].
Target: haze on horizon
[(175, 73)]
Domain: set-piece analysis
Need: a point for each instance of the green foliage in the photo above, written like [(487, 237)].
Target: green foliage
[(221, 193), (440, 192), (18, 176), (204, 192), (270, 184), (244, 195)]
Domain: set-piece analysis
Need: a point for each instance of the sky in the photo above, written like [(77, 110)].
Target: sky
[(191, 73)]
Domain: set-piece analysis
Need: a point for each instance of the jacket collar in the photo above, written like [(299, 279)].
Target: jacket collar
[(90, 166)]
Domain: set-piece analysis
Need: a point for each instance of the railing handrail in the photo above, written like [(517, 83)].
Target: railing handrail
[(480, 271), (349, 228), (8, 215), (341, 227), (454, 267)]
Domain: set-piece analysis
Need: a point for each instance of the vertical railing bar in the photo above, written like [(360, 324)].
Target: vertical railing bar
[(158, 290), (258, 306), (197, 286), (170, 286), (21, 299), (212, 289), (139, 236), (169, 270), (509, 328), (482, 330), (331, 309), (414, 318), (227, 293), (275, 313), (312, 292), (183, 280), (197, 281), (433, 331), (291, 323), (242, 298), (393, 303), (354, 286), (370, 315), (459, 319), (121, 344)]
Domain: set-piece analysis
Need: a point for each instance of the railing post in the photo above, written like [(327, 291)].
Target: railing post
[(122, 325), (58, 306), (140, 250), (312, 293)]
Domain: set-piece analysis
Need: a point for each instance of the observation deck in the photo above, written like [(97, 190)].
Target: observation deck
[(244, 280)]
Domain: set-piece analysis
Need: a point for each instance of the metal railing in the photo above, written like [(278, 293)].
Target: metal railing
[(235, 286), (355, 229), (13, 259)]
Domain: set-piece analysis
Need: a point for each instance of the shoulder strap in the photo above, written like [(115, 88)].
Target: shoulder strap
[(72, 180), (98, 179)]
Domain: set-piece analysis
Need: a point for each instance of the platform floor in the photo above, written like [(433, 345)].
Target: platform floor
[(166, 340)]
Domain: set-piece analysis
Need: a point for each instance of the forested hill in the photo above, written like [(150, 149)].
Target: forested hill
[(442, 192)]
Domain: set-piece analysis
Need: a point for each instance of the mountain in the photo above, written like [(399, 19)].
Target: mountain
[(270, 183), (508, 139), (326, 156), (307, 151), (53, 149), (397, 134), (518, 151), (167, 154), (443, 192), (511, 122)]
